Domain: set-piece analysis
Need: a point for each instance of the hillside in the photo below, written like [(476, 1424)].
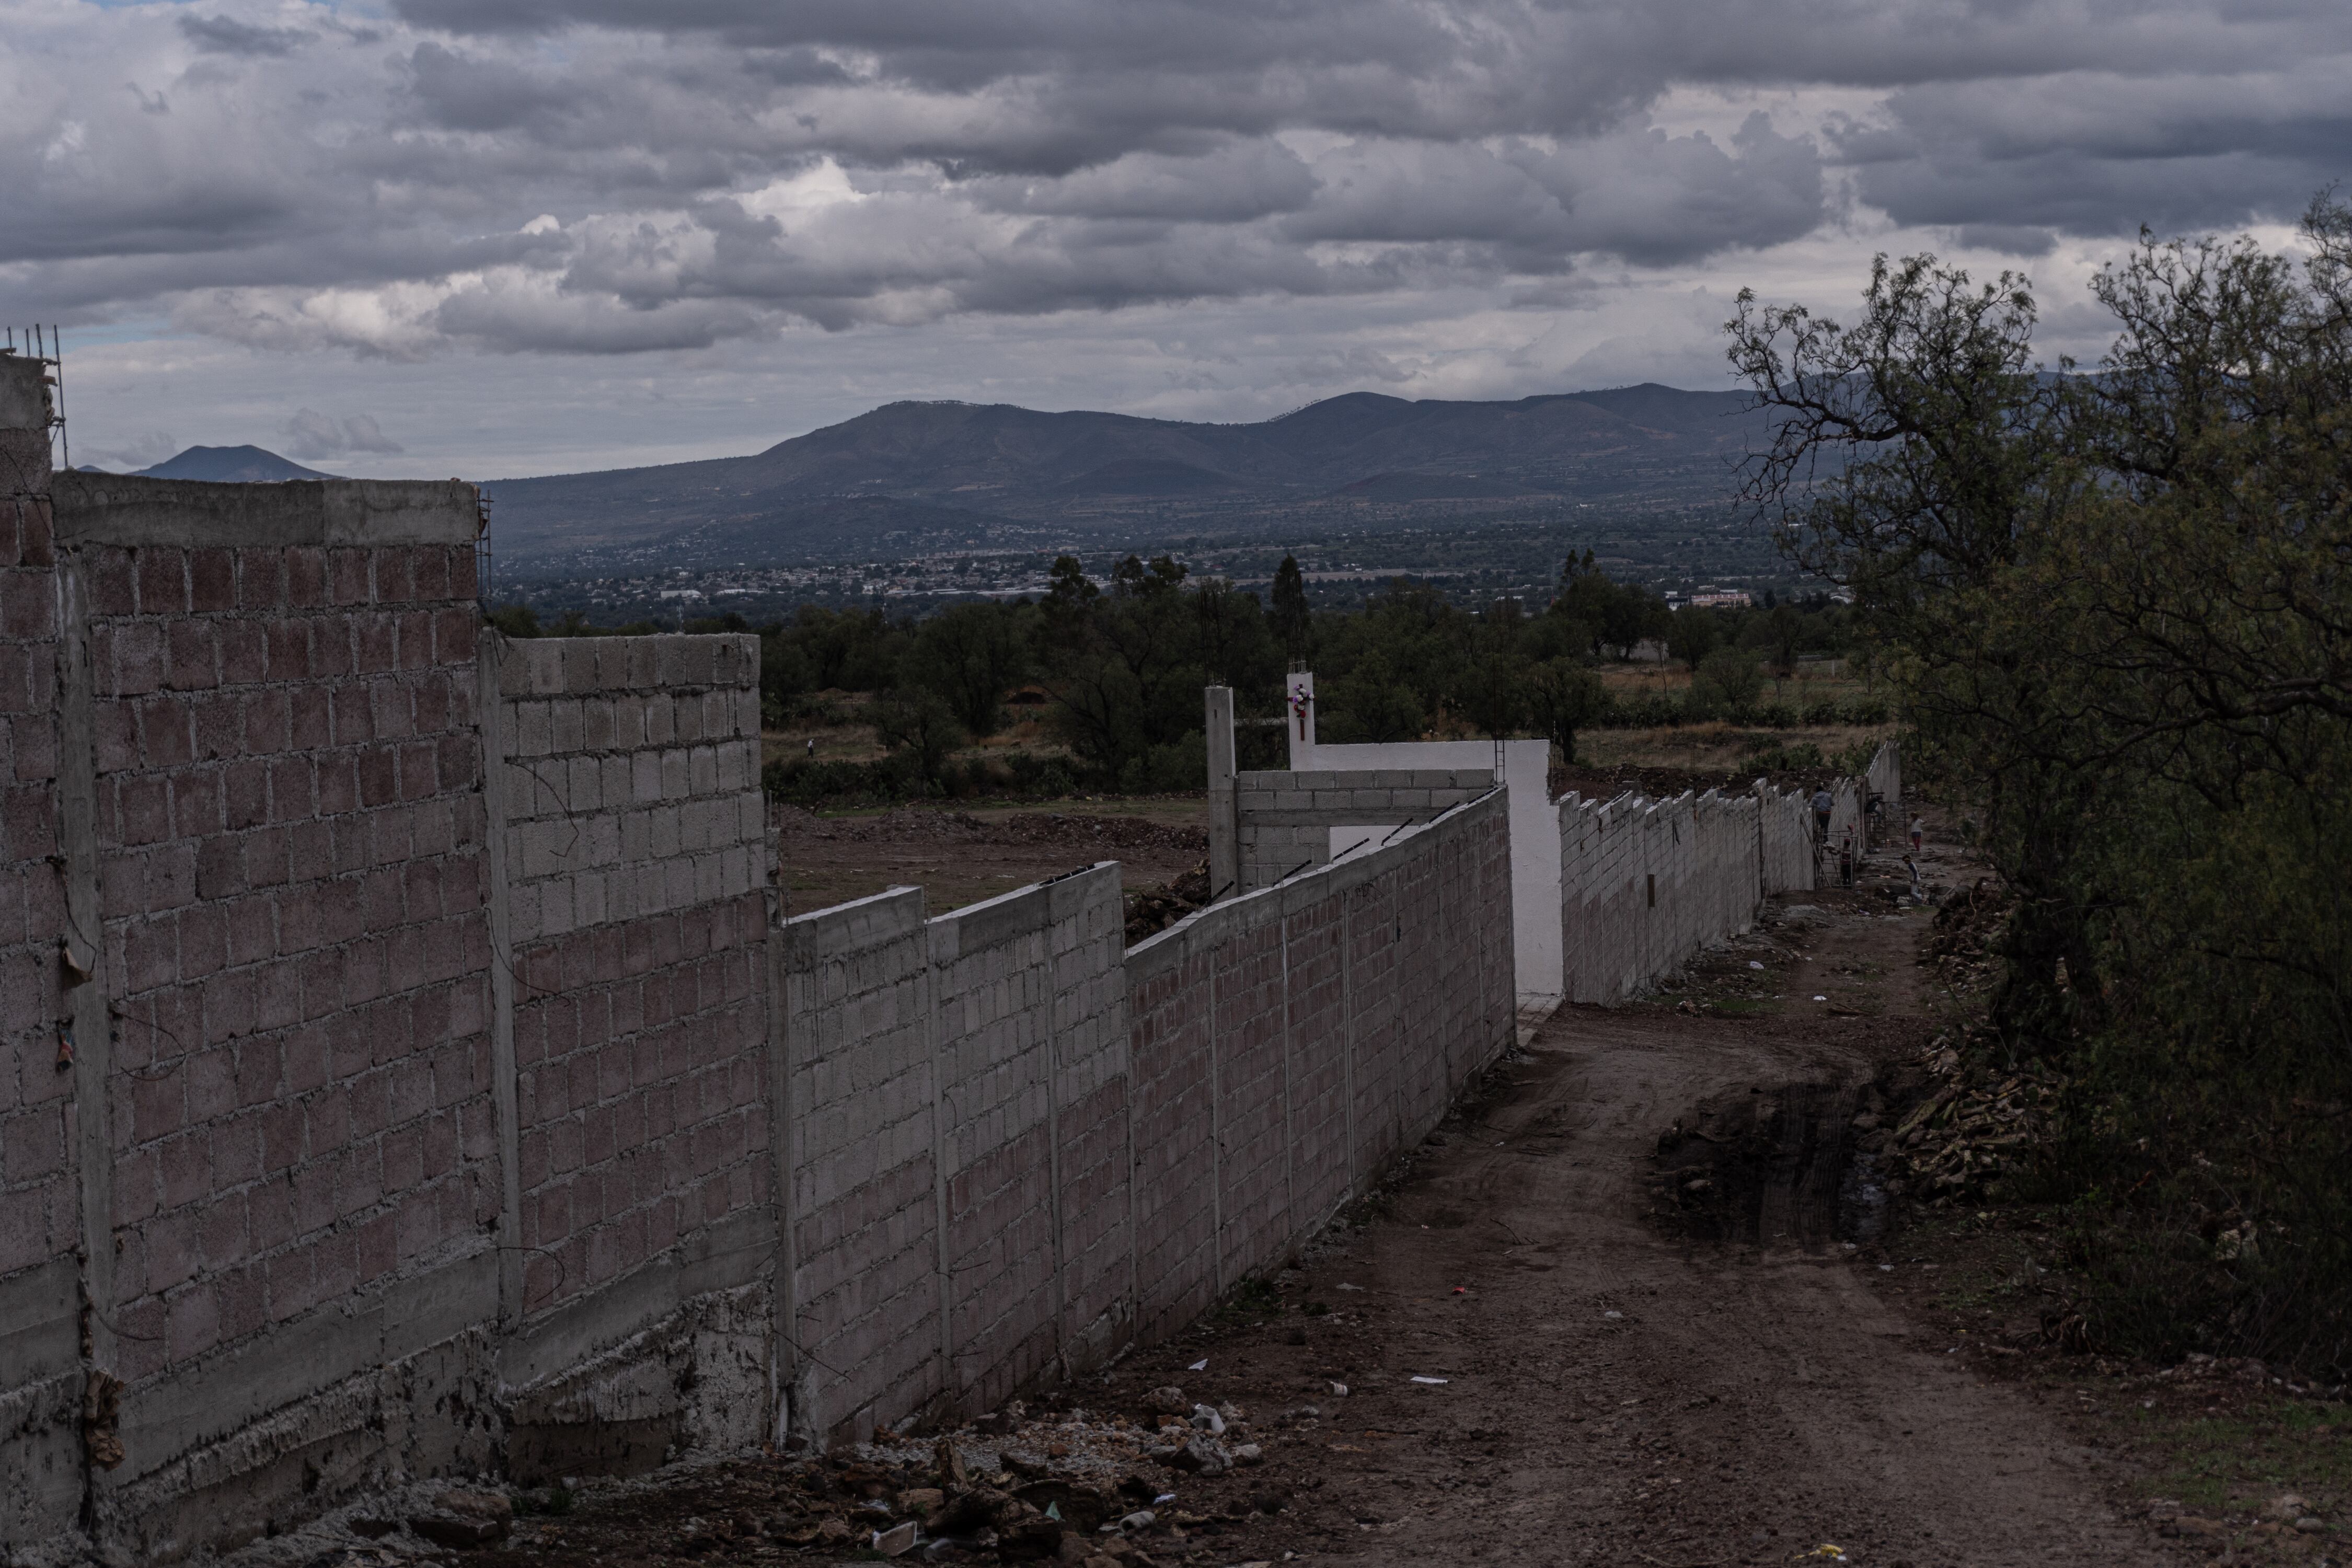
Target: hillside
[(231, 466), (911, 477)]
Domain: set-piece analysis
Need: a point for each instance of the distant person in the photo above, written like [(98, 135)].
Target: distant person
[(1823, 804), (1918, 833), (811, 748)]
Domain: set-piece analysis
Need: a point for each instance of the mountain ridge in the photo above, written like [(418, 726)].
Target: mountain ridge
[(936, 471), (230, 465)]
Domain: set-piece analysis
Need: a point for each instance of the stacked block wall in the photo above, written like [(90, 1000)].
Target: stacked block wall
[(1285, 819), (289, 834), (1015, 1149), (1031, 1009), (1644, 885), (40, 1359), (1286, 1042), (636, 883), (1885, 779), (1847, 824), (863, 1299), (1785, 839)]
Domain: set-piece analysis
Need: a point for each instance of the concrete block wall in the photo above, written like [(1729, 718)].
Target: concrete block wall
[(1030, 1020), (1285, 819), (1847, 823), (1288, 1042), (40, 1223), (1785, 838), (273, 768), (1885, 779), (245, 745), (634, 875), (860, 1298), (1647, 884), (1013, 1149)]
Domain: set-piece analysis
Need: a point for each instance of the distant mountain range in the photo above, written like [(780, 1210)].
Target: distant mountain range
[(909, 478)]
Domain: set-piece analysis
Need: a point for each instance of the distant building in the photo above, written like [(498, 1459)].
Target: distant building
[(1732, 600)]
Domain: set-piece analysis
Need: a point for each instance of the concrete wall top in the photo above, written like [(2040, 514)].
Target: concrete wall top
[(1204, 930), (1374, 778), (125, 509), (555, 666), (844, 929), (1016, 914), (24, 392)]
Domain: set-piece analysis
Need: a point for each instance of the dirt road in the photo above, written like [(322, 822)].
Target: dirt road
[(1612, 1392)]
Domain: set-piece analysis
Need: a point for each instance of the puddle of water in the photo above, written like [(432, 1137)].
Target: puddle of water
[(1776, 1167)]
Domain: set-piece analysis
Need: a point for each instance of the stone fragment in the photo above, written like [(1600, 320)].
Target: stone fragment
[(462, 1518), (1168, 1400), (1203, 1456), (896, 1541)]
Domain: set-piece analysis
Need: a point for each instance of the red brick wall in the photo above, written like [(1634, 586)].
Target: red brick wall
[(290, 835)]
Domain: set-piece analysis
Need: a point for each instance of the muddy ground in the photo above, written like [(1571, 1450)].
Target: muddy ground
[(960, 856), (1540, 1344)]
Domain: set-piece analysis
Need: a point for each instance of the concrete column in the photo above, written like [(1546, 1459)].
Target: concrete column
[(792, 1388), (1225, 805), (490, 714), (1298, 718), (92, 1026)]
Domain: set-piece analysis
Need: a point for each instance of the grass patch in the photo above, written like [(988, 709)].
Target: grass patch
[(2244, 1457)]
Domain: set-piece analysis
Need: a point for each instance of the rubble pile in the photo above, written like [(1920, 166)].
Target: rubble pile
[(1964, 1137), (1105, 1490), (1150, 911), (1959, 944)]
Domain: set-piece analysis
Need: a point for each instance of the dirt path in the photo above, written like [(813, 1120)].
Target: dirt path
[(1613, 1393)]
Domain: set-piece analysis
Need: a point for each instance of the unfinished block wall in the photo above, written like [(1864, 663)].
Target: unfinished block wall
[(634, 876), (1885, 780), (1785, 839), (296, 1157), (860, 1300), (1013, 1150), (1645, 884), (40, 1221), (1285, 819), (958, 1159), (1286, 1043)]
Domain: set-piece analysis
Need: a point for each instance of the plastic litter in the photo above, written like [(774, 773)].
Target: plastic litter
[(1753, 964), (1351, 1287), (1432, 1380), (1163, 1498), (1201, 1365), (1613, 1316), (1338, 1390)]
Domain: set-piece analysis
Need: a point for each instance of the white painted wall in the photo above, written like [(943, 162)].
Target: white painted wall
[(1535, 833)]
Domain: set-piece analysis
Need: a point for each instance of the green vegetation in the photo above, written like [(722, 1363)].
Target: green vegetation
[(1118, 670), (2117, 608)]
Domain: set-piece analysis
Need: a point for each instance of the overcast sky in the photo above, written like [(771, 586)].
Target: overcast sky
[(489, 237)]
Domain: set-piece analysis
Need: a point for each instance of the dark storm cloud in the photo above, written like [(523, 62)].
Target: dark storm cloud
[(225, 36), (609, 176)]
